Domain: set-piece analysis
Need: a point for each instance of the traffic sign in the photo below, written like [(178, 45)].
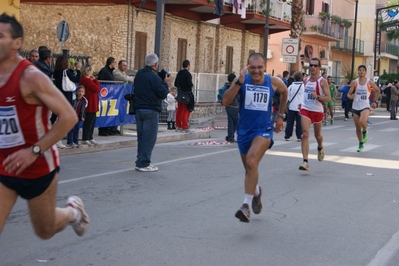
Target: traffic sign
[(289, 58), (62, 31), (290, 47)]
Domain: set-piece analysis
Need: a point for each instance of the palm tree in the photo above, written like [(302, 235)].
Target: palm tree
[(296, 24)]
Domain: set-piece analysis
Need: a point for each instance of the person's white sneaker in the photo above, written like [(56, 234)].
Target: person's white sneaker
[(60, 145), (80, 226), (86, 142), (93, 142), (150, 168)]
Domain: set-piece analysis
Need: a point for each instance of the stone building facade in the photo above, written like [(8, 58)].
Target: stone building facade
[(103, 30)]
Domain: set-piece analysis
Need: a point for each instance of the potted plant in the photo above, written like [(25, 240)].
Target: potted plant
[(314, 28), (324, 15), (336, 19), (346, 23)]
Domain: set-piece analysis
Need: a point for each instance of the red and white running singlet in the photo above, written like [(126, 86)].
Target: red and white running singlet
[(22, 125)]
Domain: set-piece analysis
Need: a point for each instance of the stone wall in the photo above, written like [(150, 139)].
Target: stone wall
[(100, 31)]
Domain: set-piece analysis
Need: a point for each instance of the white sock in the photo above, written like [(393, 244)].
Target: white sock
[(248, 199), (257, 191), (76, 215)]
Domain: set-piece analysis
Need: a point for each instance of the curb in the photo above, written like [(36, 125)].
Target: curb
[(126, 141)]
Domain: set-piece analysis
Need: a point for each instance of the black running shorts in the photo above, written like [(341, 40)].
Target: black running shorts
[(29, 188)]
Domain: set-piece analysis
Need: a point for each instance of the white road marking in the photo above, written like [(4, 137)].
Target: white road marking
[(367, 147), (385, 254), (313, 146), (368, 162), (130, 169)]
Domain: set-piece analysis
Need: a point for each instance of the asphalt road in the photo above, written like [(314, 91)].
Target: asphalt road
[(344, 211)]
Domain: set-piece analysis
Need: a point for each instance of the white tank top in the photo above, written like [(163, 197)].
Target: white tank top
[(362, 94), (309, 102)]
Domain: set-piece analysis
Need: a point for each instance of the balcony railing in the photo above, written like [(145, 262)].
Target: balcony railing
[(390, 49), (347, 45), (278, 10), (324, 26)]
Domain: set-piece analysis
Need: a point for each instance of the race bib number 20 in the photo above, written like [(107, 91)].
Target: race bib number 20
[(10, 130), (257, 98)]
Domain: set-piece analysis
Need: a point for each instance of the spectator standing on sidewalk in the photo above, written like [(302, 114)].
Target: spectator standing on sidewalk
[(149, 92), (231, 110), (33, 56), (183, 82), (171, 108), (79, 105), (120, 72), (44, 62), (394, 99), (92, 88), (106, 74), (295, 97), (346, 103), (29, 160)]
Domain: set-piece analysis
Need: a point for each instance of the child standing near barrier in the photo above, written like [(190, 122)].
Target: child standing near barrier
[(171, 108), (79, 104)]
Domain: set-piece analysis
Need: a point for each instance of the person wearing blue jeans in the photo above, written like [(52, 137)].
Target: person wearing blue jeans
[(149, 92), (147, 131)]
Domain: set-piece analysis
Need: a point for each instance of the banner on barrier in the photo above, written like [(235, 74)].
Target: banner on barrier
[(113, 108)]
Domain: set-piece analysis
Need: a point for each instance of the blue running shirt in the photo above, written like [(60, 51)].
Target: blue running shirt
[(255, 107)]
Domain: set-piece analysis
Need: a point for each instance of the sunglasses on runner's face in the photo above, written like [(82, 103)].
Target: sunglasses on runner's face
[(311, 65)]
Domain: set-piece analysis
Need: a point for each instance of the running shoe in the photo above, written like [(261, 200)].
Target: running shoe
[(60, 145), (346, 119), (304, 166), (257, 203), (325, 123), (69, 146), (365, 136), (243, 213), (320, 155), (93, 142), (80, 226), (331, 121), (361, 146)]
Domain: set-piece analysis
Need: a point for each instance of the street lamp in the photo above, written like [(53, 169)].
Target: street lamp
[(266, 32), (354, 41)]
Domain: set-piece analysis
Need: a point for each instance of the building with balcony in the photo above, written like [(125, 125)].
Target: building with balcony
[(327, 34), (126, 30)]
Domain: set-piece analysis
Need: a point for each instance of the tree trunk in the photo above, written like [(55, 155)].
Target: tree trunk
[(296, 27)]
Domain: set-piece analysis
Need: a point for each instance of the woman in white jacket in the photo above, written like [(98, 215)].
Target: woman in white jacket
[(171, 108)]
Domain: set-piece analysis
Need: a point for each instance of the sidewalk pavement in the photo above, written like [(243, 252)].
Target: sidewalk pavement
[(201, 130)]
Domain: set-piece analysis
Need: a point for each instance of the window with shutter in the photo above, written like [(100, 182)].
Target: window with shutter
[(181, 53), (140, 50)]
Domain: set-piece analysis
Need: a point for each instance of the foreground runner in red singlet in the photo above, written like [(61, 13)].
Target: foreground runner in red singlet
[(29, 160)]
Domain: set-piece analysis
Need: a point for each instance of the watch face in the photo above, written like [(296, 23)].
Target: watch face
[(36, 149)]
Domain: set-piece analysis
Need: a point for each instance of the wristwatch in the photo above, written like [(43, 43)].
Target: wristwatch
[(237, 81), (281, 115), (37, 150)]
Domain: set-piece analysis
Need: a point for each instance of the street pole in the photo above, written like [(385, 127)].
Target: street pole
[(159, 29), (266, 33), (354, 41)]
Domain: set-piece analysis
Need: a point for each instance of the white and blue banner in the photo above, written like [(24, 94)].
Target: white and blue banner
[(113, 108)]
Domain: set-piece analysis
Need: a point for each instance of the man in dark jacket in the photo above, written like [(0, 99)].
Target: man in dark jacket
[(184, 82), (44, 62), (106, 73), (232, 111), (149, 92)]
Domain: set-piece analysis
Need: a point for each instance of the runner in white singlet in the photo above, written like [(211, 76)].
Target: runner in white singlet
[(360, 91)]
